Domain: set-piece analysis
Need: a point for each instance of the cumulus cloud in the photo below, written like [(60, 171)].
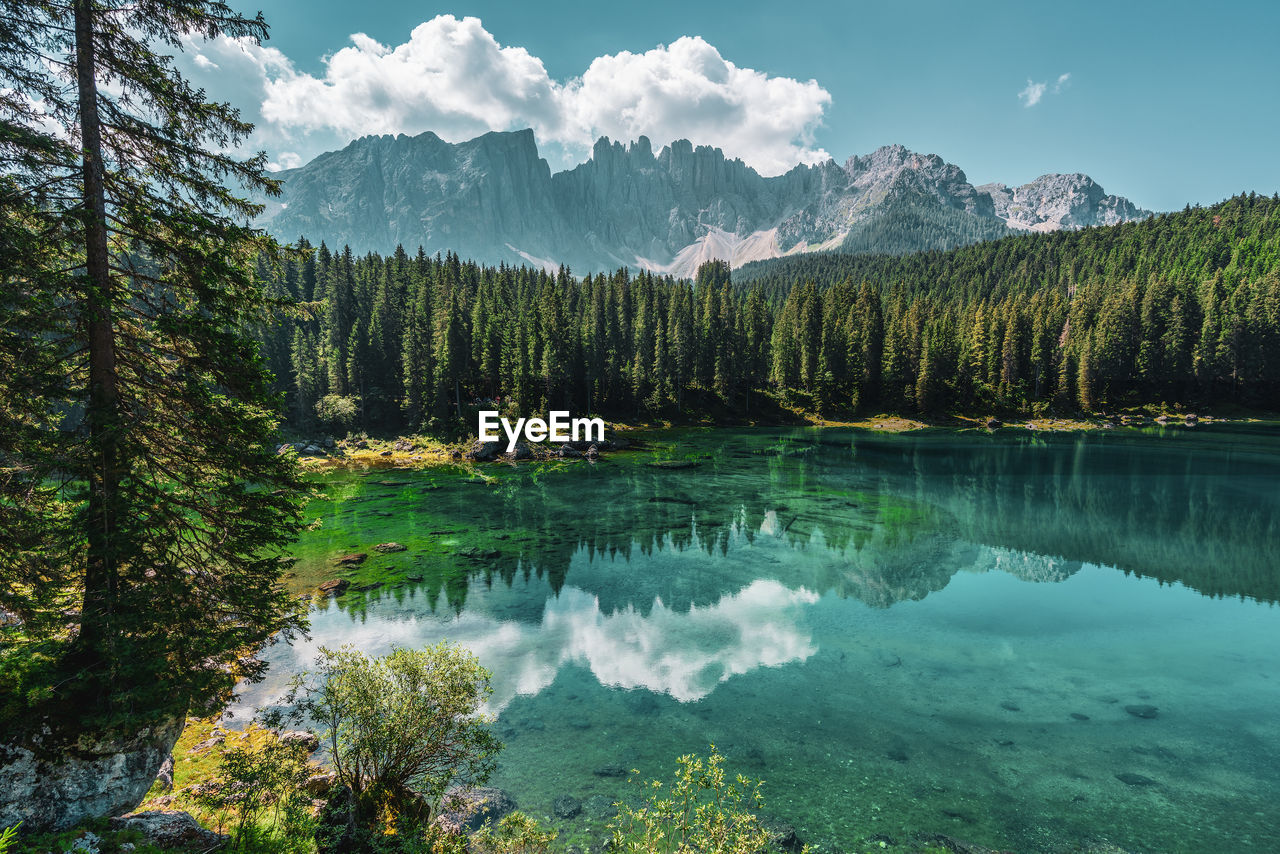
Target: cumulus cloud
[(454, 78), (1034, 92)]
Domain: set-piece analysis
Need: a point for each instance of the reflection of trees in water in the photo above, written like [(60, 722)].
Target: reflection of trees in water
[(880, 518), (1201, 514)]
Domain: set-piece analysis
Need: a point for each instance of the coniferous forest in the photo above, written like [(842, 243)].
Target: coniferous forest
[(1180, 309)]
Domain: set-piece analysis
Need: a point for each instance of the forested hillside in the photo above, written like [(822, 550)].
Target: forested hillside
[(1183, 308)]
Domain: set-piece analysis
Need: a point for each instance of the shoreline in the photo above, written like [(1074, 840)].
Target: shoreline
[(422, 452)]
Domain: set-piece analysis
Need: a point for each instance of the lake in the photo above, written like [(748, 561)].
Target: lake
[(1037, 642)]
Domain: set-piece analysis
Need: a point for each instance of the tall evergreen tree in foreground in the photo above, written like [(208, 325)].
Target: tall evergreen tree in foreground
[(144, 508)]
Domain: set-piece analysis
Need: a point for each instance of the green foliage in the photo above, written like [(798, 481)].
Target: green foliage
[(1184, 307), (516, 833), (337, 412), (9, 838), (142, 508), (402, 728), (257, 795), (701, 810)]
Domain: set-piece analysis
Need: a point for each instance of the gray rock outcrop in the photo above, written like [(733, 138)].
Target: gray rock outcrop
[(49, 788)]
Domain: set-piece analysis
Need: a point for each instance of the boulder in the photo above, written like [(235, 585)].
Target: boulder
[(165, 775), (350, 559), (519, 452), (403, 445), (171, 829), (1142, 711), (387, 548), (319, 784), (593, 451), (467, 809), (568, 451), (483, 452), (313, 451), (309, 741), (50, 784), (329, 443)]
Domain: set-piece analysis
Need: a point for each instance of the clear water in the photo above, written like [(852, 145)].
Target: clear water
[(929, 633)]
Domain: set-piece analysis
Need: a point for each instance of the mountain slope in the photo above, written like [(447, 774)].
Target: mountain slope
[(495, 199)]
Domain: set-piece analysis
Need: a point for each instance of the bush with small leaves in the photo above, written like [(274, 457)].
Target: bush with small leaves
[(701, 810), (516, 833), (258, 796)]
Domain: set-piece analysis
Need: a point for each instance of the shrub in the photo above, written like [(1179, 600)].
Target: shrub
[(515, 834), (400, 729), (701, 811), (258, 795)]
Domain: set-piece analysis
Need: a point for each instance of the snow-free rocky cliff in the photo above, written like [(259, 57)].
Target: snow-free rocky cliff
[(494, 199)]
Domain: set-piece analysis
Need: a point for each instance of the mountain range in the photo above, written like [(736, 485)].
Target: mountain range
[(493, 198)]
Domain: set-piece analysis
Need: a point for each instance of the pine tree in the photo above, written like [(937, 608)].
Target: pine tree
[(170, 571)]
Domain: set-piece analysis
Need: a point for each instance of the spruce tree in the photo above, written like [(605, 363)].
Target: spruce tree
[(169, 507)]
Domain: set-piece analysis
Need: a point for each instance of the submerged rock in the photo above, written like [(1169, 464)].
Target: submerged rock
[(614, 770), (1142, 711), (470, 808), (387, 548), (674, 464), (1079, 717), (566, 806), (1010, 706), (1131, 779), (334, 587), (350, 559)]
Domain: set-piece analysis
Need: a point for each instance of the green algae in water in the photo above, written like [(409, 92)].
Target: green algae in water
[(907, 634)]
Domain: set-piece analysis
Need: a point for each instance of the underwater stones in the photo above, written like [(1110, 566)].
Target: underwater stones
[(334, 587), (469, 808), (613, 770), (365, 588), (350, 559), (1131, 779), (782, 834), (387, 548), (599, 807), (566, 806), (672, 465), (1142, 711), (1079, 717), (414, 578), (1010, 706), (897, 754)]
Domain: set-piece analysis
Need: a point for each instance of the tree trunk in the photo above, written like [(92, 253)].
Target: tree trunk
[(102, 412)]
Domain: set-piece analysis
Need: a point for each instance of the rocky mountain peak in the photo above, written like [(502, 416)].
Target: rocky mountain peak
[(494, 198)]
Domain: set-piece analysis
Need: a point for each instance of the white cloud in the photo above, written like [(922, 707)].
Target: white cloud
[(204, 62), (1034, 92), (1031, 95), (454, 78)]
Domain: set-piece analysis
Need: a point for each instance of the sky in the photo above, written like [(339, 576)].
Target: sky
[(1166, 103)]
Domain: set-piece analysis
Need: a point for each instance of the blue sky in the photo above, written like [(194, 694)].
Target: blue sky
[(1166, 103)]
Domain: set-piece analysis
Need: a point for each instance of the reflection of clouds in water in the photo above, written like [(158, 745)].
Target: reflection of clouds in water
[(681, 653)]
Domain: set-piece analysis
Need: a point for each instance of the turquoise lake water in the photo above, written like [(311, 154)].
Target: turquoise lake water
[(924, 633)]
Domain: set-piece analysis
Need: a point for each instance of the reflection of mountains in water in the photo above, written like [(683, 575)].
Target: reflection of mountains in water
[(891, 518)]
